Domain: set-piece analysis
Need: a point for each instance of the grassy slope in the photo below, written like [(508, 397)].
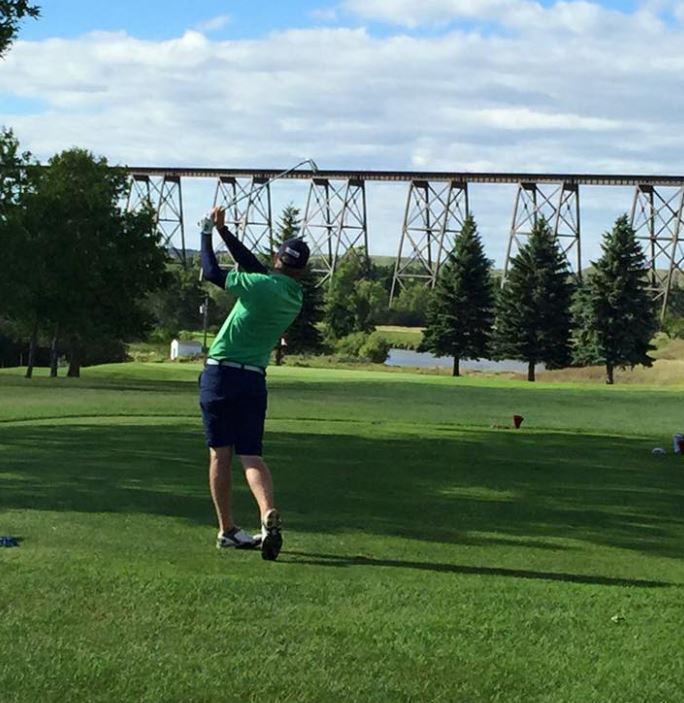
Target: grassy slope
[(428, 556), (402, 337)]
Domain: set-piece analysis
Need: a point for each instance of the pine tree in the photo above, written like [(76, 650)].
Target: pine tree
[(615, 315), (461, 309), (533, 312), (290, 224), (303, 335)]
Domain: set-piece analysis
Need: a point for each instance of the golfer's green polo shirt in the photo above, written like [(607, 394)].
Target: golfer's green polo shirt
[(267, 304)]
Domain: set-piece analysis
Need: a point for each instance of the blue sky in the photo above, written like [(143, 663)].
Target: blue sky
[(163, 19), (444, 85)]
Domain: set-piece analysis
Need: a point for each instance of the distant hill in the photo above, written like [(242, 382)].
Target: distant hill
[(382, 260)]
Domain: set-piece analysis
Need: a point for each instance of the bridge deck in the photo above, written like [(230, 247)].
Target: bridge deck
[(592, 179)]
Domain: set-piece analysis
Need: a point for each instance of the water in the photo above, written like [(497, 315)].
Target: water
[(424, 360)]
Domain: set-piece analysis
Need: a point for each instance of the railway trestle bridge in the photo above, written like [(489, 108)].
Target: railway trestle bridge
[(335, 218)]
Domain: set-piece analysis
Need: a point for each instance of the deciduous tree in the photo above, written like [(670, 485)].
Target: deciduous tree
[(352, 299), (92, 263), (12, 12)]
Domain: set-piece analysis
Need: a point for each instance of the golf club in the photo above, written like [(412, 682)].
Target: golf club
[(313, 166), (282, 174)]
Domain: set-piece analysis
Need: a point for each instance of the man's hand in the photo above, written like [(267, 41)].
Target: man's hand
[(207, 225), (218, 216)]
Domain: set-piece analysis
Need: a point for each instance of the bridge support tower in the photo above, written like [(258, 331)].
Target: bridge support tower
[(657, 220), (335, 224), (433, 218), (558, 203)]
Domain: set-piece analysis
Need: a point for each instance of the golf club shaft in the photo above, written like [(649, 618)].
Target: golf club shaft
[(282, 174), (253, 192)]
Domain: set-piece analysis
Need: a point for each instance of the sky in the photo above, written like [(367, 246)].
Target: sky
[(454, 85)]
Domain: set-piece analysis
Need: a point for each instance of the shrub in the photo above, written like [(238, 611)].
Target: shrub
[(351, 344), (674, 327), (161, 335), (375, 349), (409, 308), (361, 345)]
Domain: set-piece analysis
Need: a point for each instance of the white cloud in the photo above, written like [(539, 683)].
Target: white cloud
[(574, 88), (213, 24), (412, 14), (325, 14), (525, 119), (576, 15)]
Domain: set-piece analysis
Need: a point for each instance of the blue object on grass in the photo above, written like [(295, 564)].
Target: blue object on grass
[(9, 542)]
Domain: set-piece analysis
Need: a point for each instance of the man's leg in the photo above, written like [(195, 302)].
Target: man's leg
[(220, 483), (259, 480), (261, 484)]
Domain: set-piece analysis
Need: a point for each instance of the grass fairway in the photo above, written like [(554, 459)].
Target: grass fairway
[(428, 556)]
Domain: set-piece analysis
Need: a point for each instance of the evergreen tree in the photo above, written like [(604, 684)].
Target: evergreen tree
[(461, 310), (533, 310), (615, 315), (290, 224), (303, 335)]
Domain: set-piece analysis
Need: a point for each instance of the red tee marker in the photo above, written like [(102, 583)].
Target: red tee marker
[(517, 421)]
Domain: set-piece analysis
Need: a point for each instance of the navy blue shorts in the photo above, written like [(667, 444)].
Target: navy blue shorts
[(233, 403)]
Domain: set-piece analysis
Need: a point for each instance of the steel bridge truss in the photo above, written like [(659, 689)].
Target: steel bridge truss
[(247, 203), (559, 205), (434, 216), (657, 220), (335, 220), (335, 224), (164, 195)]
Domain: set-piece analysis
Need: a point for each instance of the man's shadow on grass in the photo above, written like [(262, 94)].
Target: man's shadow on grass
[(343, 561), (480, 488)]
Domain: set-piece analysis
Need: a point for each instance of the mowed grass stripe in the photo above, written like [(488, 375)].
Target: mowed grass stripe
[(344, 395)]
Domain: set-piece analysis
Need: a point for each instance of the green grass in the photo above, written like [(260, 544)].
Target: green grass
[(402, 337), (668, 369), (428, 556)]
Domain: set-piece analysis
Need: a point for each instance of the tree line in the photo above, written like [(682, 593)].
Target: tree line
[(81, 276), (76, 267), (542, 314)]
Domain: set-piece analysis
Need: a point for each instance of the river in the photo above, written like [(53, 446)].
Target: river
[(424, 360)]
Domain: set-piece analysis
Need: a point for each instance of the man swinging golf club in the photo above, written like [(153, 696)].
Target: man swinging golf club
[(233, 382)]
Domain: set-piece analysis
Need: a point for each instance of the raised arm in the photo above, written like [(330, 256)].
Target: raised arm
[(242, 255), (210, 267)]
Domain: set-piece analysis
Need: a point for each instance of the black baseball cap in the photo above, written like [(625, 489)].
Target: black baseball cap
[(294, 253)]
